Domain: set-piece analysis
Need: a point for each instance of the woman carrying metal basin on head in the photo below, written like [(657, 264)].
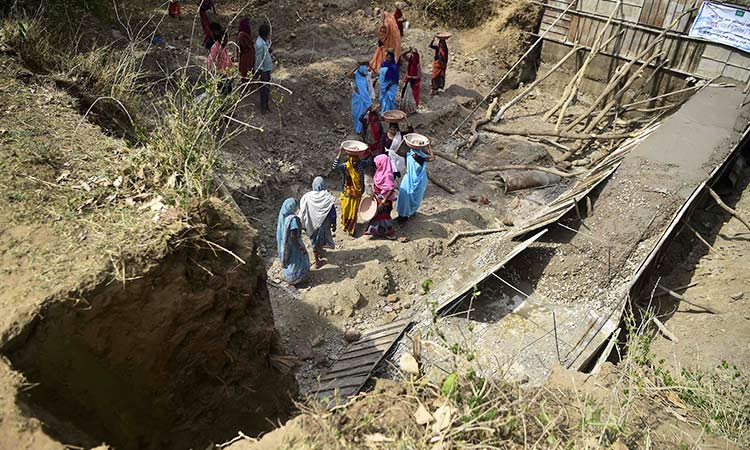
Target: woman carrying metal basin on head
[(354, 181), (414, 182)]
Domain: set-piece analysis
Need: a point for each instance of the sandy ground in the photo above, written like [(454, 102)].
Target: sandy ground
[(721, 281)]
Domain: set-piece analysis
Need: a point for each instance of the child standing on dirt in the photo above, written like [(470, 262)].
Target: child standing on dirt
[(219, 62), (264, 64)]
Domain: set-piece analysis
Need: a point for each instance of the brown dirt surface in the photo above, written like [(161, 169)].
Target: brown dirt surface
[(706, 341), (315, 46)]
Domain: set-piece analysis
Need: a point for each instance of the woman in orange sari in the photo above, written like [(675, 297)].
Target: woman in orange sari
[(439, 65), (388, 37)]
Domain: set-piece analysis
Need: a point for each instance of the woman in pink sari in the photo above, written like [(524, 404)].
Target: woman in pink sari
[(384, 187)]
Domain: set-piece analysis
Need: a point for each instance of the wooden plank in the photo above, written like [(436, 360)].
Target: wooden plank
[(344, 383), (363, 352), (362, 343), (343, 393), (371, 344), (340, 366), (573, 29), (360, 370), (661, 12), (647, 5), (353, 369), (389, 326)]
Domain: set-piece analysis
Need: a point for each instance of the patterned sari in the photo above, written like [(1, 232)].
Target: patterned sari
[(351, 196)]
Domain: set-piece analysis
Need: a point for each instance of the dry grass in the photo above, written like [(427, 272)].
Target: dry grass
[(101, 194)]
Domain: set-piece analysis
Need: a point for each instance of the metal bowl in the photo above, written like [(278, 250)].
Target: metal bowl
[(443, 35), (355, 147), (418, 141), (394, 116), (367, 208)]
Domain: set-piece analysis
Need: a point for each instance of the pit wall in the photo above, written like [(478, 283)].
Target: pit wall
[(174, 358)]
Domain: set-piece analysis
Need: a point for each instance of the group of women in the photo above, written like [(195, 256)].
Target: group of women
[(215, 39), (316, 213)]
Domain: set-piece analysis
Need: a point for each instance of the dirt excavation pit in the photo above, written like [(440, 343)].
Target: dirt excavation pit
[(179, 356)]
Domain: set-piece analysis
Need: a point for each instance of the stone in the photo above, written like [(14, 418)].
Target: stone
[(443, 418), (392, 298), (408, 364), (352, 335), (304, 351), (422, 416), (737, 296)]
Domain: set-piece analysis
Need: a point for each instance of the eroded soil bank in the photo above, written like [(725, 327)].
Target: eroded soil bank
[(122, 320)]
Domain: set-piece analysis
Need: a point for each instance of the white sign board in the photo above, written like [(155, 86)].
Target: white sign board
[(723, 23)]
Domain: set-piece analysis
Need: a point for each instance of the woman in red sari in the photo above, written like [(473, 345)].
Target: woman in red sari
[(413, 74), (399, 16), (439, 65), (203, 7), (173, 8), (247, 49)]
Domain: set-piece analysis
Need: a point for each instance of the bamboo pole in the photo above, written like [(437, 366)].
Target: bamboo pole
[(441, 185), (622, 71), (726, 208), (474, 233), (700, 238), (532, 47), (571, 90), (476, 171), (561, 134), (533, 85), (689, 301), (479, 122), (667, 334), (616, 98)]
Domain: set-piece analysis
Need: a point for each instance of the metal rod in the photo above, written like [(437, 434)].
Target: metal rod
[(532, 47), (557, 342), (511, 286)]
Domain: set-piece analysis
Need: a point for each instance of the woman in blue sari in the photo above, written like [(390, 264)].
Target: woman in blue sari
[(292, 251), (361, 100), (388, 82), (414, 183)]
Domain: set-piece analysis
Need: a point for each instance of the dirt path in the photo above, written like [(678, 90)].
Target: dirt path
[(366, 282)]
